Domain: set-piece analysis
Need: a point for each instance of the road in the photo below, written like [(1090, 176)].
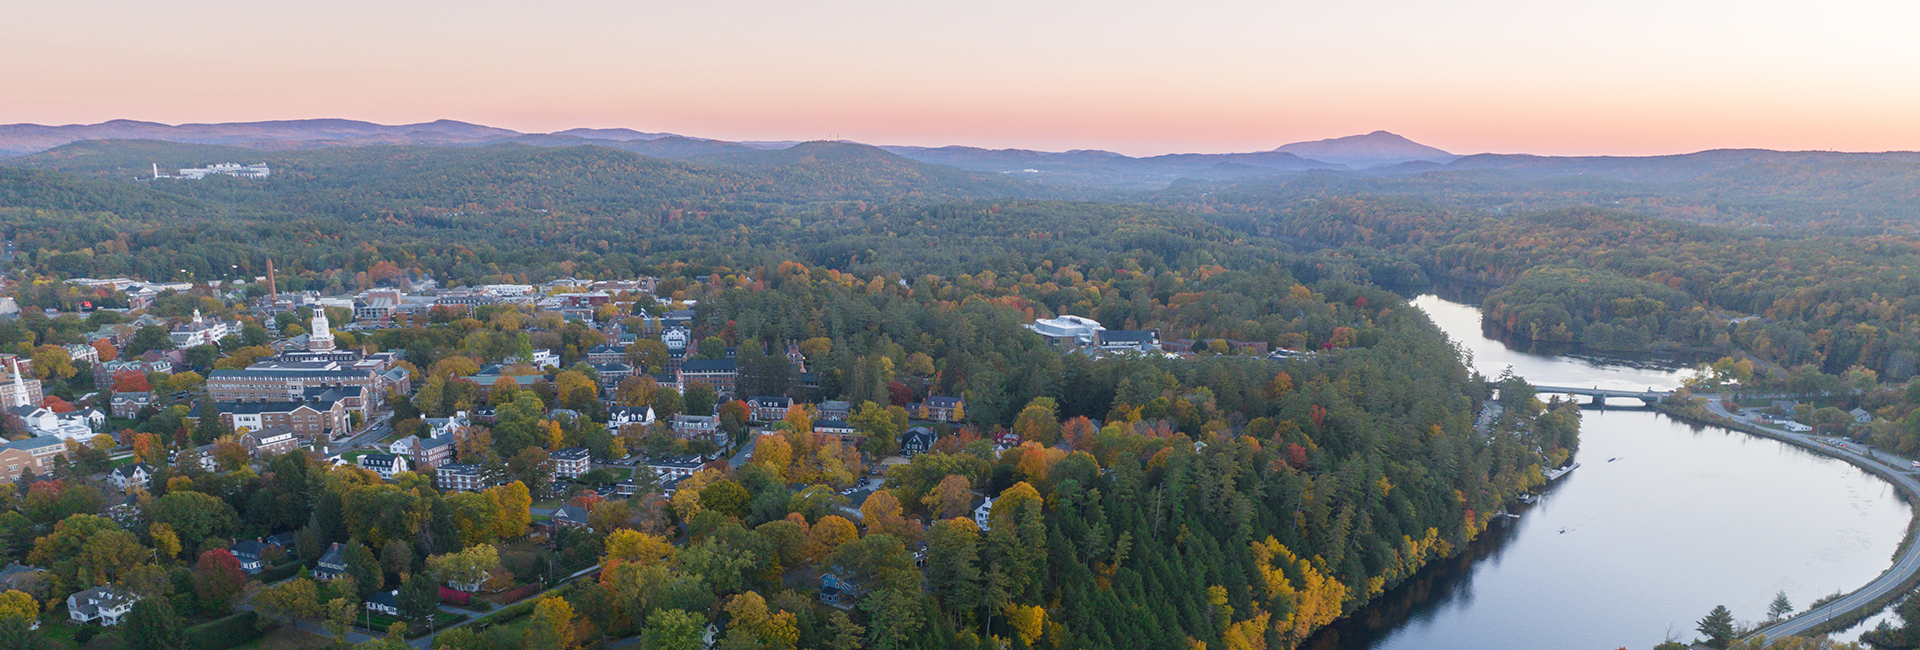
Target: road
[(1904, 567)]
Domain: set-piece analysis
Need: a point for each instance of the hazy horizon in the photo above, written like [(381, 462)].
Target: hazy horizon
[(1635, 78)]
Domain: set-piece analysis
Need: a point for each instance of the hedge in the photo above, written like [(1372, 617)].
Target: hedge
[(220, 634), (282, 572)]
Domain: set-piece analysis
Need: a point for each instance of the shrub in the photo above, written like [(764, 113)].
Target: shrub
[(220, 634)]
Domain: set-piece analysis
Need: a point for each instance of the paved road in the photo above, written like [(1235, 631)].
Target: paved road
[(1904, 567)]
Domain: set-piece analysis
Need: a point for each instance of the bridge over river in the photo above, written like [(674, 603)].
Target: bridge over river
[(1600, 395)]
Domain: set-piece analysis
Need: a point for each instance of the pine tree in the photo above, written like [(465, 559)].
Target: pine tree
[(1718, 626), (1780, 607)]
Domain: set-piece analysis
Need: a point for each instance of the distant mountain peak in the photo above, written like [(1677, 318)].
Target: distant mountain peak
[(1376, 149)]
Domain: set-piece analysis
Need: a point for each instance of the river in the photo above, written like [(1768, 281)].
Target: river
[(1663, 521)]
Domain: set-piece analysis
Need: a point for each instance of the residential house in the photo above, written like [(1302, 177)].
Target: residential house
[(384, 464), (835, 410), (917, 440), (266, 443), (20, 577), (571, 516), (332, 564), (459, 477), (34, 454), (839, 591), (251, 554), (981, 514), (1006, 439), (128, 404), (619, 417), (1861, 416), (106, 605), (135, 475), (385, 602), (571, 462), (769, 409)]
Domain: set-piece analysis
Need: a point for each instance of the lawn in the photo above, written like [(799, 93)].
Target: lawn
[(380, 623), (353, 457), (287, 637)]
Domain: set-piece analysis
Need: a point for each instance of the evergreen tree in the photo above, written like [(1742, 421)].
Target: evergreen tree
[(153, 626), (1718, 626)]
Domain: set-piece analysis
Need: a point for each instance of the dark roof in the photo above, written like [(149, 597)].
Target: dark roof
[(570, 513), (572, 453), (771, 402), (248, 547), (924, 436), (458, 468), (943, 402), (709, 365), (383, 460), (334, 556), (387, 598), (832, 424)]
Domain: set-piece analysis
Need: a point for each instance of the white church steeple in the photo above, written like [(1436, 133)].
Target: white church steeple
[(320, 339)]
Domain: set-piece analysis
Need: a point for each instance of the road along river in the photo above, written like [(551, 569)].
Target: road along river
[(1663, 521)]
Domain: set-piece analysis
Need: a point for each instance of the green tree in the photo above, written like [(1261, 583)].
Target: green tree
[(195, 517), (364, 567), (152, 625), (673, 629), (289, 602), (1718, 626), (1780, 606), (419, 598)]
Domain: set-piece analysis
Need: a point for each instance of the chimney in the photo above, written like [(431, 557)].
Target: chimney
[(273, 288)]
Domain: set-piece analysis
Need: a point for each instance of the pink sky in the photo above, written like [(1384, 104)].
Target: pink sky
[(1629, 77)]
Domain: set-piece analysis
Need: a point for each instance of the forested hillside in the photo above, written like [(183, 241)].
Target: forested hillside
[(1225, 498)]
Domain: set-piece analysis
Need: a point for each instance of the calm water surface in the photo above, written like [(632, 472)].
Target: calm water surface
[(1662, 521)]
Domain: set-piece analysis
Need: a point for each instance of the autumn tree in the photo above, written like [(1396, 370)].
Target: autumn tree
[(828, 534), (217, 580), (551, 627), (512, 510), (952, 498), (1039, 422)]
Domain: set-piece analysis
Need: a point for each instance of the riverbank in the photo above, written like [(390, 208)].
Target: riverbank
[(1844, 612)]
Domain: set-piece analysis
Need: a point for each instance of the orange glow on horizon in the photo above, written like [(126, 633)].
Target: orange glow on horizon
[(1632, 78)]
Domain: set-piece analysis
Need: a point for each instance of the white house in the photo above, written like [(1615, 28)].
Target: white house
[(134, 475), (385, 464), (104, 604), (980, 514), (1796, 427)]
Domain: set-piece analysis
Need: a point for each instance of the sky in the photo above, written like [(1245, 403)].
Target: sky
[(1627, 77)]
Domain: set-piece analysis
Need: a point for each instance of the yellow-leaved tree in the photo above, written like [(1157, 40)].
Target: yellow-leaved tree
[(1301, 597)]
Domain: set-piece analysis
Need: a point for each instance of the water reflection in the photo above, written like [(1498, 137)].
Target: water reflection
[(1663, 521)]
